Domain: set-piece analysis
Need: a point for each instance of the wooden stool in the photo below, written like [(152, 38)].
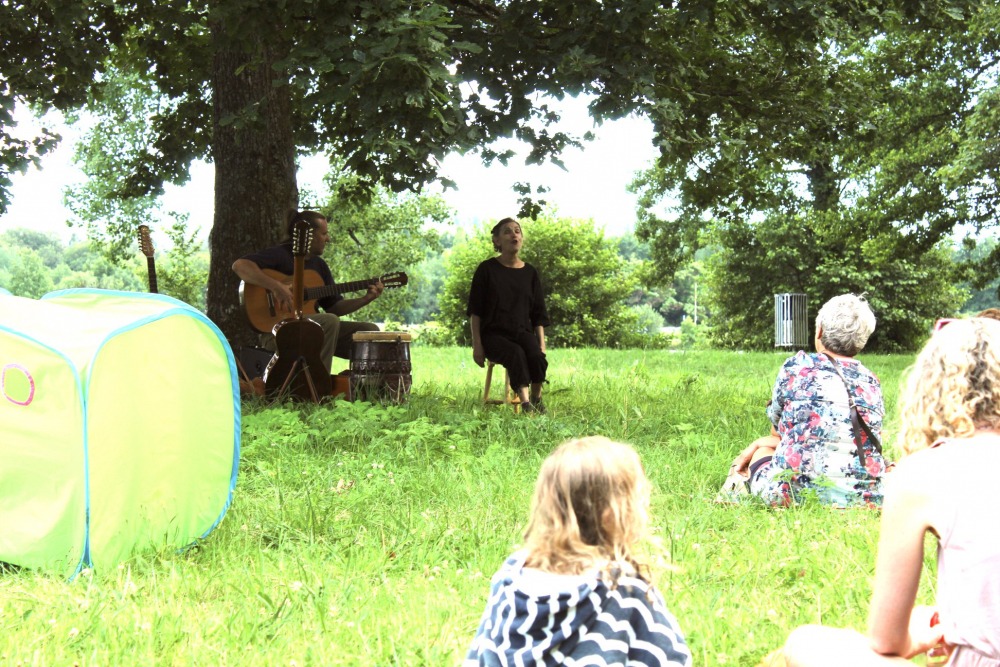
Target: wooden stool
[(510, 397)]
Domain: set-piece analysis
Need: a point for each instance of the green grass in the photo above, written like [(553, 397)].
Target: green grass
[(366, 535)]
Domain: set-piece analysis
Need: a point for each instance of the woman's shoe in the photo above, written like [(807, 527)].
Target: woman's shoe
[(735, 488)]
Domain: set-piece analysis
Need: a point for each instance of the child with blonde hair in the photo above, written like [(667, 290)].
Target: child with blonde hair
[(945, 486), (576, 592)]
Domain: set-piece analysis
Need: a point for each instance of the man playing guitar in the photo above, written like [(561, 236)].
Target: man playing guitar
[(337, 334)]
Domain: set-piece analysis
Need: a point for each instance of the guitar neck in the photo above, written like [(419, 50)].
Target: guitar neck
[(313, 293), (298, 285), (151, 269)]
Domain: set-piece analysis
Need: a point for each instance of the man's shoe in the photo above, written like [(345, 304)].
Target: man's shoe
[(528, 408)]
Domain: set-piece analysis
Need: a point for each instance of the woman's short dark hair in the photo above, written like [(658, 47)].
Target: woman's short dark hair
[(499, 225), (496, 231)]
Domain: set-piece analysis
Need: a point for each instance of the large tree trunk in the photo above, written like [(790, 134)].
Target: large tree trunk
[(254, 153)]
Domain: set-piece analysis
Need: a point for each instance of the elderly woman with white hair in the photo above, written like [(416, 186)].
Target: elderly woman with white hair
[(814, 447)]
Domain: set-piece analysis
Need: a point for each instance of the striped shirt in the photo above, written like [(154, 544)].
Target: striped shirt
[(536, 618)]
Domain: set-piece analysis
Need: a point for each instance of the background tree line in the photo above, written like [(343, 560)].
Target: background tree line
[(34, 263), (600, 290)]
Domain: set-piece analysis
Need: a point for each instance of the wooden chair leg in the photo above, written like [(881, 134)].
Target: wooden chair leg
[(510, 396), (489, 378)]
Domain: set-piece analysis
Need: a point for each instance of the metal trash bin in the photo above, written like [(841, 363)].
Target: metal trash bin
[(791, 323)]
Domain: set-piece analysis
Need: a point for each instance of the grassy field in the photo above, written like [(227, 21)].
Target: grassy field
[(363, 534)]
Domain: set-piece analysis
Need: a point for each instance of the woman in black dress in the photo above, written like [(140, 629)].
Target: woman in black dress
[(508, 317)]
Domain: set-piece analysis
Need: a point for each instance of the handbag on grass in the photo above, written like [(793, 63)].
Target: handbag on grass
[(857, 423)]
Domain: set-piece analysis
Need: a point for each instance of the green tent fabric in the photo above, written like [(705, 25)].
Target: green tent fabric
[(121, 427)]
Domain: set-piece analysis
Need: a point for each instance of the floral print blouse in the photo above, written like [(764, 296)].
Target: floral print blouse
[(817, 454)]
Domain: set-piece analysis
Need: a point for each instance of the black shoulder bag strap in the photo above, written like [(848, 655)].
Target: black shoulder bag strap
[(857, 423)]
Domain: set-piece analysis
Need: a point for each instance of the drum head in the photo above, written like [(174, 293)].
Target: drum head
[(381, 337)]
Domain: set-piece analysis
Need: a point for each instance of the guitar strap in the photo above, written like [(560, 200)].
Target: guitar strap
[(858, 425)]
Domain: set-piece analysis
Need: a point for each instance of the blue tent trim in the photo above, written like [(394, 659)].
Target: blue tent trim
[(184, 309), (85, 557), (178, 308)]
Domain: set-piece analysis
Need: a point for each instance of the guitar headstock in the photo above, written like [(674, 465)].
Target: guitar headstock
[(145, 243), (302, 231), (397, 279)]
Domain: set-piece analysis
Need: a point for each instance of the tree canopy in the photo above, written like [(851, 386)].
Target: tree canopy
[(391, 87), (861, 194)]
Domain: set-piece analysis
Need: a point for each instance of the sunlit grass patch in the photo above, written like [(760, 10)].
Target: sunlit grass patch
[(367, 534)]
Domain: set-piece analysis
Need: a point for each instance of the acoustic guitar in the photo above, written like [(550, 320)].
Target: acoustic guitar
[(146, 246), (262, 309), (296, 366)]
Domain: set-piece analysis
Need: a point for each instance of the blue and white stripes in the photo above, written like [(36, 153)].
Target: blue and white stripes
[(535, 618)]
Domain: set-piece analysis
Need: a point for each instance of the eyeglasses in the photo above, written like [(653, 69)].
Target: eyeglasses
[(943, 322)]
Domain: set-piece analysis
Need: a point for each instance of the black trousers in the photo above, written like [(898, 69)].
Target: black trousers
[(521, 355)]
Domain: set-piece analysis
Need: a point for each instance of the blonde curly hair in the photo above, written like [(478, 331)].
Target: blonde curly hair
[(953, 387), (590, 508)]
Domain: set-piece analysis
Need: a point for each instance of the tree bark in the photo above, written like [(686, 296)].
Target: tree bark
[(823, 185), (254, 153)]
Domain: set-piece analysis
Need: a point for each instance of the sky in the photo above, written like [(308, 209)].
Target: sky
[(593, 185)]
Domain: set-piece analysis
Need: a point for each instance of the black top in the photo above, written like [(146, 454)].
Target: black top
[(280, 258), (508, 301)]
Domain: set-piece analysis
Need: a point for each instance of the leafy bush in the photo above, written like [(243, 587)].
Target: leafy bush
[(693, 336), (648, 320), (814, 255), (184, 273), (585, 280), (29, 277), (388, 233), (430, 334)]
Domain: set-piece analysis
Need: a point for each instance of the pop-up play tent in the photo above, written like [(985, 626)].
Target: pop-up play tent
[(120, 418)]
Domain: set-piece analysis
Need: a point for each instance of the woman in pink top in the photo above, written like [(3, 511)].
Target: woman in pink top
[(946, 485)]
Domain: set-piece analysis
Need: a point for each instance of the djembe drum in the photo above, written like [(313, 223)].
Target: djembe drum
[(380, 366)]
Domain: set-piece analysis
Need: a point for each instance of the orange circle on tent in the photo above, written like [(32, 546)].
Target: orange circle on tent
[(17, 385)]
